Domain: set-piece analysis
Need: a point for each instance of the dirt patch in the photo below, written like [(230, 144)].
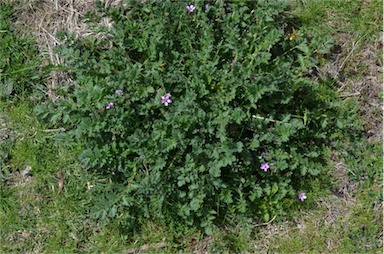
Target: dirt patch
[(344, 187), (7, 137), (200, 246), (6, 134), (265, 237)]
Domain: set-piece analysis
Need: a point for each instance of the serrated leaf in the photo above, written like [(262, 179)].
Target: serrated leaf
[(196, 203), (65, 118)]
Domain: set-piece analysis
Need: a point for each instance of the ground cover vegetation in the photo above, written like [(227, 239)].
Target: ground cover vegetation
[(197, 114), (19, 62), (184, 127)]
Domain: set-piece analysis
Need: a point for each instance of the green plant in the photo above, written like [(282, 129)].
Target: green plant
[(20, 61), (197, 115)]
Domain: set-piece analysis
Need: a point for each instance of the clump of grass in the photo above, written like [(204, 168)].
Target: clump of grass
[(20, 61), (34, 209), (43, 19), (360, 18)]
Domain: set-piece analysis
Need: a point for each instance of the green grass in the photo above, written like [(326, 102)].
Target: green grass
[(338, 17), (36, 215), (352, 224), (343, 225), (20, 60), (34, 203)]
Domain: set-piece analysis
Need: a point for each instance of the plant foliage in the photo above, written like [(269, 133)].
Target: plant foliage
[(240, 98)]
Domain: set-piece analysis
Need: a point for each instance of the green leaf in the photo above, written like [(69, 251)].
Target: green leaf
[(266, 217), (150, 89), (65, 118), (196, 202)]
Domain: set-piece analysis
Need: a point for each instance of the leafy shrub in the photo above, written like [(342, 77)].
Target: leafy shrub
[(197, 115), (19, 58)]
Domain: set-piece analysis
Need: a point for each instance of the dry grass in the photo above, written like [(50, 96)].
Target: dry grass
[(358, 67), (330, 212), (47, 17)]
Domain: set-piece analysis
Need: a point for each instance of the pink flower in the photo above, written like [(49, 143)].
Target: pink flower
[(110, 105), (166, 99), (264, 167), (302, 196), (190, 8)]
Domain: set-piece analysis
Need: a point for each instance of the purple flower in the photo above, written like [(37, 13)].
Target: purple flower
[(206, 6), (344, 152), (302, 196), (110, 105), (166, 99), (190, 8), (118, 91), (264, 167)]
